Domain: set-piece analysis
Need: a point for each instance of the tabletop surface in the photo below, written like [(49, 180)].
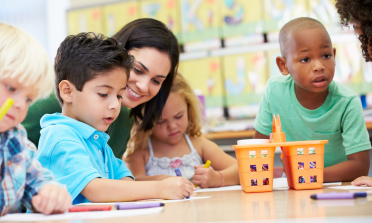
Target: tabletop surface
[(284, 205)]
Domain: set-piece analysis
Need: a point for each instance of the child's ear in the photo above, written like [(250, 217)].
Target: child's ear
[(282, 65), (66, 91)]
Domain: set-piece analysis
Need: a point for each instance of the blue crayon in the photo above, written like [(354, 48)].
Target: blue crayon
[(178, 173)]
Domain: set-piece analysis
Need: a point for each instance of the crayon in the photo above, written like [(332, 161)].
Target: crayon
[(5, 108), (124, 206), (90, 208)]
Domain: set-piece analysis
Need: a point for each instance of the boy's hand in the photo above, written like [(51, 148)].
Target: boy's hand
[(51, 199), (206, 177), (362, 181), (174, 188)]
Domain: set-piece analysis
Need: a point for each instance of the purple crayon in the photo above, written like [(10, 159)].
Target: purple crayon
[(334, 195), (178, 173), (124, 206)]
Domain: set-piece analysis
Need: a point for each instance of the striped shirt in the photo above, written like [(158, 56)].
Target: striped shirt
[(21, 174)]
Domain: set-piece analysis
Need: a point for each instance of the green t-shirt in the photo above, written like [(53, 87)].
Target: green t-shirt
[(339, 120), (119, 130)]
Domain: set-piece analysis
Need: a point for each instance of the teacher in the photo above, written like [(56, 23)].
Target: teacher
[(358, 13), (156, 54)]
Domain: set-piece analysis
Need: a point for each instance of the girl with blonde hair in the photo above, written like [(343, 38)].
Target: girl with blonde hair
[(176, 142)]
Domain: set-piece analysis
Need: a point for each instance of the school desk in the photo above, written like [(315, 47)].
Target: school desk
[(287, 205)]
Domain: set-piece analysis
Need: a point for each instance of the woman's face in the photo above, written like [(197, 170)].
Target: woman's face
[(150, 69)]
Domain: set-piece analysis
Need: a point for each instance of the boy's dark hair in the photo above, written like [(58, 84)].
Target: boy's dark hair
[(151, 33), (82, 57), (359, 11), (293, 26)]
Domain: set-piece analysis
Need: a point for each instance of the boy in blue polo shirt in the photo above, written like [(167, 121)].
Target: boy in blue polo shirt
[(91, 77), (312, 106)]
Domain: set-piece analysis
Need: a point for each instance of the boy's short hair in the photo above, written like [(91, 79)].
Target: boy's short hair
[(82, 57), (24, 58), (293, 26)]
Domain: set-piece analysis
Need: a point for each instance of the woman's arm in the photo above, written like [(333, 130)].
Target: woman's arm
[(136, 163), (220, 161)]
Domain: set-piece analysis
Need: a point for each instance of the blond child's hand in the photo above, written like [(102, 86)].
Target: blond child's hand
[(206, 177), (174, 188), (362, 181), (51, 199)]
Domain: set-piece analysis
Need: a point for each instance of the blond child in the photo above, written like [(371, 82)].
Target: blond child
[(25, 76), (175, 142), (91, 77)]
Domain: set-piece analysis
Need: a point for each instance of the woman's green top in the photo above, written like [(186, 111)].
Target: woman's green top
[(119, 130)]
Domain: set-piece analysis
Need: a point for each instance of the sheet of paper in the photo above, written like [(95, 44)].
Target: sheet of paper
[(147, 201), (235, 187), (332, 184), (351, 187), (80, 215), (280, 183)]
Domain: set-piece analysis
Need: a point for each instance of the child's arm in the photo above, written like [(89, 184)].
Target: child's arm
[(136, 162), (362, 181), (106, 190), (220, 161), (357, 165), (258, 135)]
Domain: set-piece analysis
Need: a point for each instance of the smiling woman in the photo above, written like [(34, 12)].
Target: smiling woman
[(156, 53)]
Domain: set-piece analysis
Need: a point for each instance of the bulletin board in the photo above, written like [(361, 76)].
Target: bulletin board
[(324, 11), (205, 75), (245, 79), (166, 11), (241, 17), (84, 20), (117, 15), (199, 20), (279, 12)]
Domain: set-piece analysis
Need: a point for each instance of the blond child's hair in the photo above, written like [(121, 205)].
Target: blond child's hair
[(139, 139), (24, 58)]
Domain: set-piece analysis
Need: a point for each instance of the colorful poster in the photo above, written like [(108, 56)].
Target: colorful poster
[(273, 69), (279, 12), (84, 20), (199, 20), (166, 11), (325, 12), (245, 79), (117, 15), (205, 76), (241, 17)]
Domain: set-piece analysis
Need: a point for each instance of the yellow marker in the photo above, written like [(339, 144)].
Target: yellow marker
[(6, 106), (206, 165)]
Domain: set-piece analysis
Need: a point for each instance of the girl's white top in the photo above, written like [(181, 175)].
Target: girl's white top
[(165, 166)]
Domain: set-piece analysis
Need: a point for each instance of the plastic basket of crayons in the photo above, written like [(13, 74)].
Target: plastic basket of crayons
[(304, 162)]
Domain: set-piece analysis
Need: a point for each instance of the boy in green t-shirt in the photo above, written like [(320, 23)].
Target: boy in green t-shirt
[(312, 106)]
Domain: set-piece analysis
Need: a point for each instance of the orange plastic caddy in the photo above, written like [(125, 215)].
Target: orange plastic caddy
[(304, 162)]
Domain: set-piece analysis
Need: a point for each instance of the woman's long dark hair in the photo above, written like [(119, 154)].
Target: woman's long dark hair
[(151, 33)]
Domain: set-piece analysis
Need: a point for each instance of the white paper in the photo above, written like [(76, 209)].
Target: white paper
[(226, 188), (147, 201), (81, 215), (351, 187), (332, 184), (280, 183)]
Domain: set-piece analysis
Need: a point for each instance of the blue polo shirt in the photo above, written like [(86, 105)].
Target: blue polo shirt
[(77, 153)]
